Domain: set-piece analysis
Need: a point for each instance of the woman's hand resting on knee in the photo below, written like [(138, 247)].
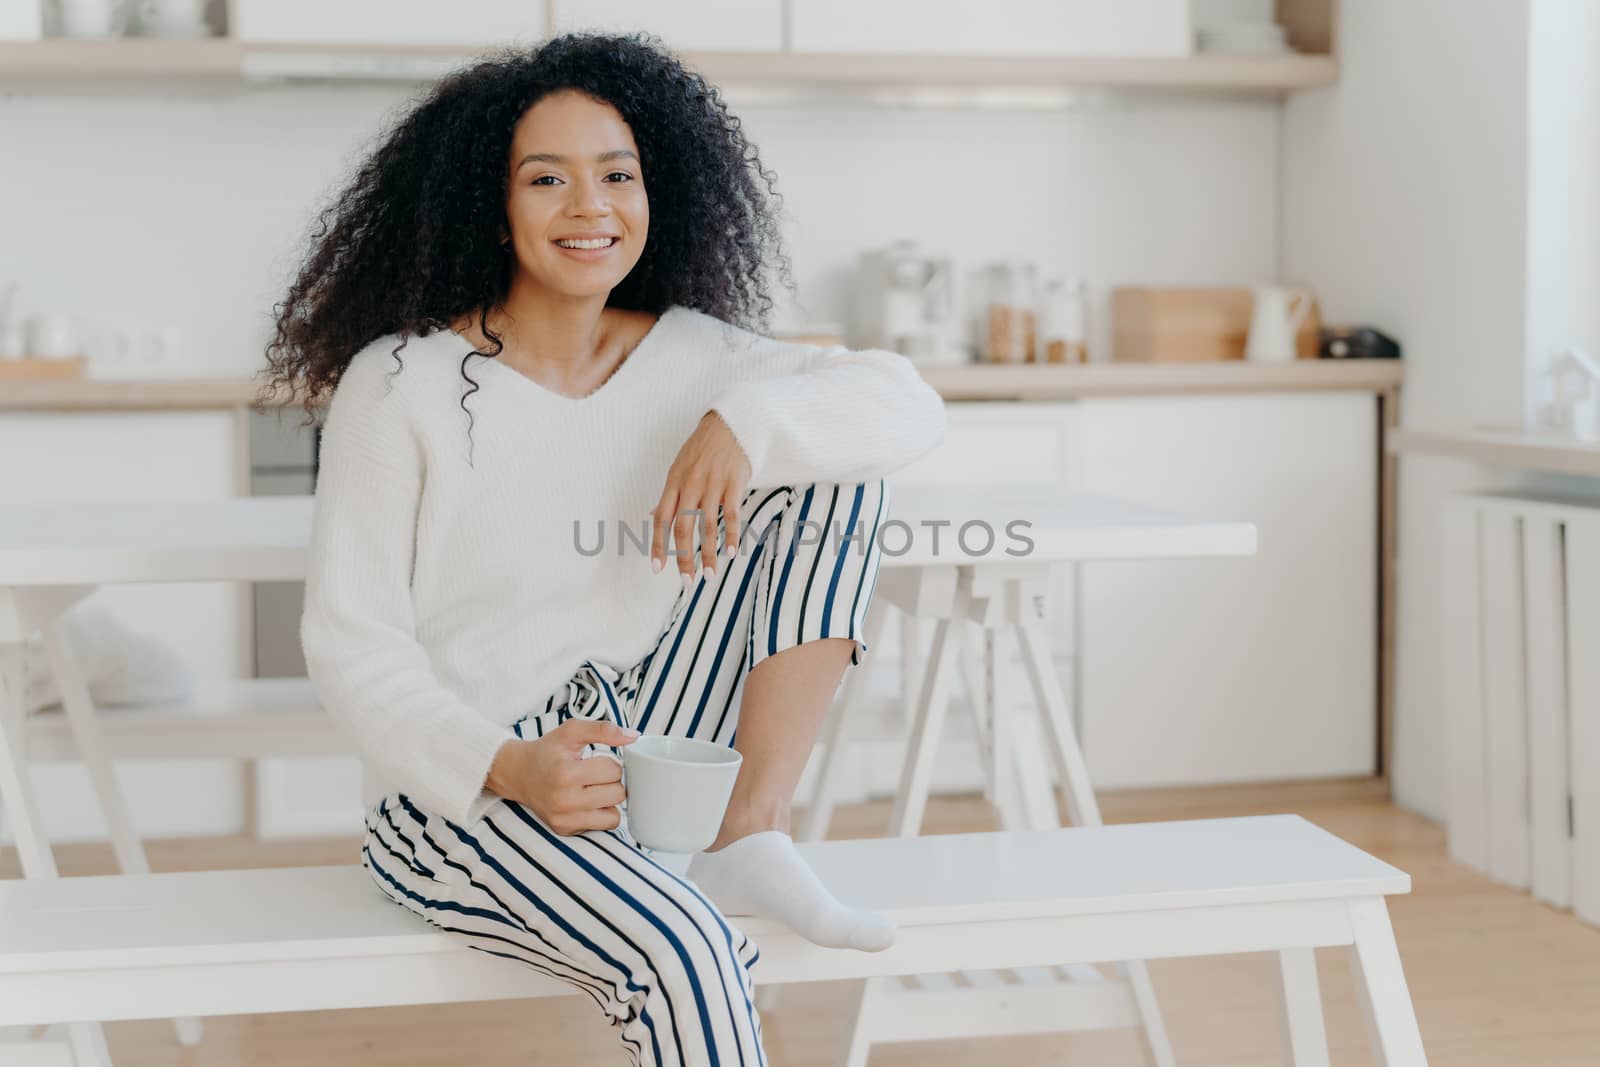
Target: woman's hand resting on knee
[(549, 775), (710, 472)]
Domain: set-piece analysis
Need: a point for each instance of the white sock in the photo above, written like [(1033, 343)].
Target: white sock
[(764, 875)]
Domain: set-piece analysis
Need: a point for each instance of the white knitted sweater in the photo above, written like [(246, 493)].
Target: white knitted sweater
[(448, 598)]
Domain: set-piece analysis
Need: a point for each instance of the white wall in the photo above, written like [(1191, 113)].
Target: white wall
[(1563, 183), (187, 208), (1448, 191), (1403, 203)]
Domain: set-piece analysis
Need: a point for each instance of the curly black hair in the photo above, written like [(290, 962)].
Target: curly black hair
[(412, 243)]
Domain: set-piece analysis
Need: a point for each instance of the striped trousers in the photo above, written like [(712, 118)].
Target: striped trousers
[(596, 910)]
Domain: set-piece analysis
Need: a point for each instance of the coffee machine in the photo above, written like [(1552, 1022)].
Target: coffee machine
[(907, 303)]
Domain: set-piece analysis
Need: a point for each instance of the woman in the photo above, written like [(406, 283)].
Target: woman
[(530, 307)]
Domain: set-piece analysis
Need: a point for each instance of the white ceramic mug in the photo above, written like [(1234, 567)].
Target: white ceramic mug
[(1275, 323), (51, 337), (678, 790), (185, 16)]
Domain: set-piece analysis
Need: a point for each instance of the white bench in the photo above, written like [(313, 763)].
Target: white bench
[(237, 942)]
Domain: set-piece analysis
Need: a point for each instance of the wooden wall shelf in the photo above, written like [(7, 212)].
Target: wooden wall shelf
[(56, 63)]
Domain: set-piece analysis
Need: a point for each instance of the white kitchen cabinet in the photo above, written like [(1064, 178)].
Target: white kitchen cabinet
[(697, 25), (1253, 669), (380, 22), (996, 27), (1196, 671)]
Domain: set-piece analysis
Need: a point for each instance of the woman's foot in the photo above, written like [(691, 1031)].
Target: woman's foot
[(762, 874)]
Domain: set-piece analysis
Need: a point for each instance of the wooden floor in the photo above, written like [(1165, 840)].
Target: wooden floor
[(1498, 980)]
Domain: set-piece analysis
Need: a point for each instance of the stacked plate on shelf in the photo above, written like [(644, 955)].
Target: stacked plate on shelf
[(1239, 26), (1251, 38)]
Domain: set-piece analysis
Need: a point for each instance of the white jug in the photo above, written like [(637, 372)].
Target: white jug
[(1279, 312)]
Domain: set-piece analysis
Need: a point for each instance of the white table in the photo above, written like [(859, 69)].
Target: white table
[(1004, 595), (940, 563)]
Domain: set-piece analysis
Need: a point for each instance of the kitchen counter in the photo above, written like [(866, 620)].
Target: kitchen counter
[(1036, 382), (1502, 447)]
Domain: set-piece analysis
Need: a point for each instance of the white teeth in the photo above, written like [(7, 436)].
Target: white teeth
[(599, 242)]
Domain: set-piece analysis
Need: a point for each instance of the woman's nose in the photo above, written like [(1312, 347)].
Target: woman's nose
[(590, 198)]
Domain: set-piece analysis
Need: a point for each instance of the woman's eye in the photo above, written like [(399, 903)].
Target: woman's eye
[(541, 179), (624, 175)]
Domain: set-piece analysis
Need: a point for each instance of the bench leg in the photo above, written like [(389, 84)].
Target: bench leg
[(858, 1039), (1305, 1039), (1381, 987), (1153, 1039)]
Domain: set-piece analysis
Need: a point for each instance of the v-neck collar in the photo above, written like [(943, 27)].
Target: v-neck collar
[(606, 387)]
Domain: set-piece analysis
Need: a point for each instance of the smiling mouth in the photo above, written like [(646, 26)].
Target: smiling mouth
[(587, 245)]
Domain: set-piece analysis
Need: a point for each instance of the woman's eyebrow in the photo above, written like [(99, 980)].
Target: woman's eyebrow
[(552, 157)]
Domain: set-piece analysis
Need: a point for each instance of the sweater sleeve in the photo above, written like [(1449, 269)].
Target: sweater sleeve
[(805, 413), (362, 655)]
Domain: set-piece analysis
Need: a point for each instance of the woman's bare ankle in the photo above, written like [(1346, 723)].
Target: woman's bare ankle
[(742, 820)]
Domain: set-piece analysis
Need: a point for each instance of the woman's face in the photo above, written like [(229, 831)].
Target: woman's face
[(575, 175)]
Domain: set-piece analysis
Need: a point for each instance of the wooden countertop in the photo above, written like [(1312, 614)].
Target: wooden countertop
[(1033, 382), (1502, 447)]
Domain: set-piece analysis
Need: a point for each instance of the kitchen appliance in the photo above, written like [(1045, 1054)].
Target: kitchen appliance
[(1275, 320), (1356, 342), (1189, 325), (174, 19), (907, 304), (283, 462)]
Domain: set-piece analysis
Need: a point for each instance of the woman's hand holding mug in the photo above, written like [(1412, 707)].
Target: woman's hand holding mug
[(549, 775)]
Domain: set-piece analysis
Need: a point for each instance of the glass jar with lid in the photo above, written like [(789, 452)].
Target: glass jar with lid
[(1011, 293), (1063, 325)]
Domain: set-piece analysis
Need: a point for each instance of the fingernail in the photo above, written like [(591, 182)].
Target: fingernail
[(656, 564), (728, 551), (688, 579), (630, 731)]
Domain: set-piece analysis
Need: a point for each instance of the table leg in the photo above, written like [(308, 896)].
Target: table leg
[(17, 800), (824, 794), (1381, 987), (1305, 1037), (975, 676), (917, 773), (86, 735), (96, 759), (1056, 719), (1027, 800), (16, 789)]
